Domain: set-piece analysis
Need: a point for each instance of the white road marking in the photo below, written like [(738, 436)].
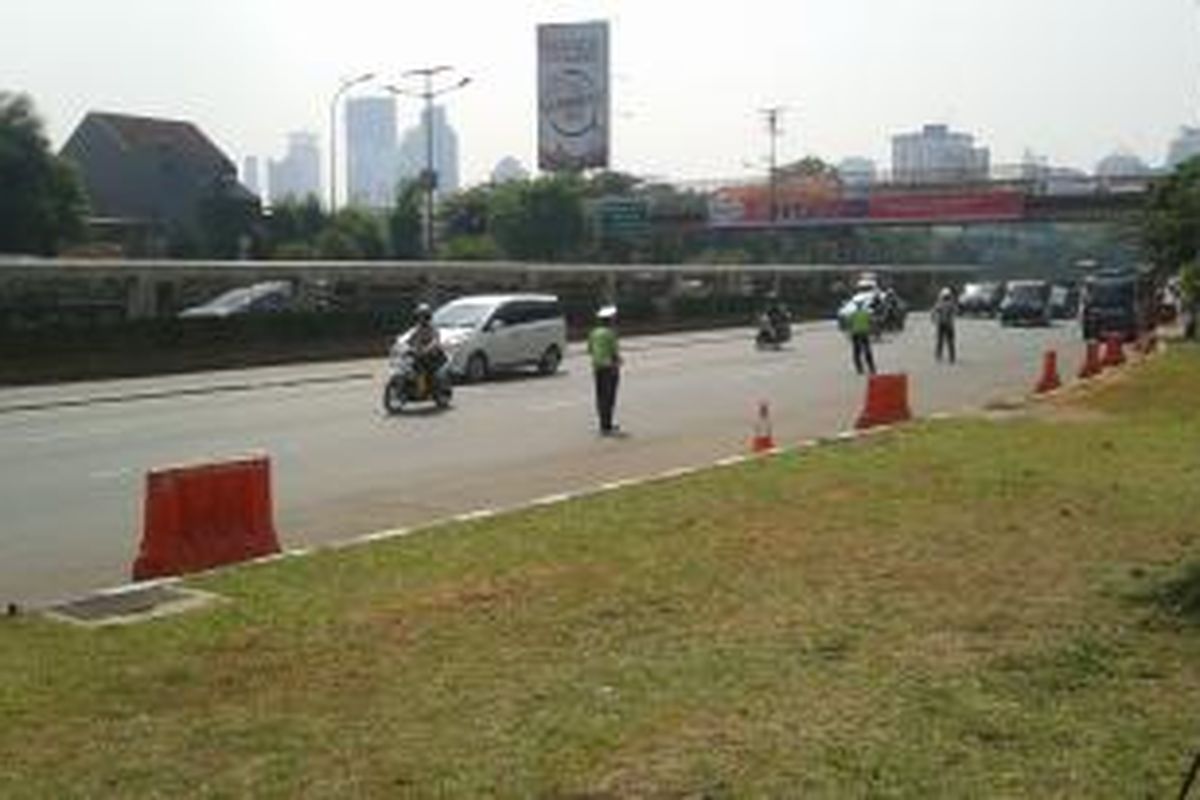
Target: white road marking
[(554, 499), (471, 516), (613, 486)]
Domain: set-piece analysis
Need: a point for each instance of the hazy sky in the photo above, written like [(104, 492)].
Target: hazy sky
[(1070, 79)]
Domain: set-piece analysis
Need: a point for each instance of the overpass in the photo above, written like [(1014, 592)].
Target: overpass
[(802, 205)]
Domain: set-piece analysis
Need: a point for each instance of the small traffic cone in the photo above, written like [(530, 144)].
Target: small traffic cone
[(1050, 380), (1091, 365), (763, 441), (1114, 352)]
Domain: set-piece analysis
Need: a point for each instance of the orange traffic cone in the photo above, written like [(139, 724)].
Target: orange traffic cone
[(1114, 353), (1050, 380), (762, 441), (886, 403), (1091, 364)]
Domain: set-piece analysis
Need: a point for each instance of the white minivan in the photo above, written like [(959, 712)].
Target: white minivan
[(482, 334)]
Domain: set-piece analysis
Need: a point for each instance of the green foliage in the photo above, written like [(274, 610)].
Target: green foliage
[(466, 213), (1189, 283), (228, 220), (541, 219), (353, 235), (471, 248), (42, 203), (809, 167), (404, 223), (608, 183), (293, 227), (1171, 230)]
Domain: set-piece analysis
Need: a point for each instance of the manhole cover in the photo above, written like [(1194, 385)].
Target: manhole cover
[(133, 604)]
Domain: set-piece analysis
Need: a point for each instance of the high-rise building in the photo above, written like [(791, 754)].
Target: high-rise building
[(251, 175), (371, 171), (935, 154), (414, 157), (1183, 147), (298, 174)]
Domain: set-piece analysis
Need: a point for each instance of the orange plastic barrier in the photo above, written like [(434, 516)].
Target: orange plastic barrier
[(886, 403), (1049, 380), (1114, 351), (1091, 364), (203, 516), (763, 440)]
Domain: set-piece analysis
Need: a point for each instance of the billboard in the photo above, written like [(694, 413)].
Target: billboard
[(573, 96)]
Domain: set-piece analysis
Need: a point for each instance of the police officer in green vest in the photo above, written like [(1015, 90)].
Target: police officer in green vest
[(860, 336), (605, 351)]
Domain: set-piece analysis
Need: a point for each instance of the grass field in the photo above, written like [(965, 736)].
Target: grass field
[(1006, 606)]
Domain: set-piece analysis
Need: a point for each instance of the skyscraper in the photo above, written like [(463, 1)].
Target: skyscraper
[(413, 155), (371, 151), (298, 174)]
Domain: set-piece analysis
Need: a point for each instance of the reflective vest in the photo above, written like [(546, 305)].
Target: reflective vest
[(860, 320)]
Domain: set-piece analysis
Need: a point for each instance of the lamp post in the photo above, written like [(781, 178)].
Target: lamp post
[(344, 87), (428, 93)]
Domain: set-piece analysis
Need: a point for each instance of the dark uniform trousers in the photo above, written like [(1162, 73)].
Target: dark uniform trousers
[(607, 379)]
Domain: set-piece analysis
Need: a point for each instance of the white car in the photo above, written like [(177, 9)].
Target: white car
[(482, 334)]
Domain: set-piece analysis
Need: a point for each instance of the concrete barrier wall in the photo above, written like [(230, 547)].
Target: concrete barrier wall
[(74, 319)]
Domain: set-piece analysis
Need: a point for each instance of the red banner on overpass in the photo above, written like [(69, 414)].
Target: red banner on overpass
[(946, 206), (804, 204)]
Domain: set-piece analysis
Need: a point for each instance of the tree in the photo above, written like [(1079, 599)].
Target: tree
[(466, 213), (809, 167), (404, 222), (608, 183), (1171, 230), (541, 219), (353, 235), (42, 203), (228, 218), (294, 226)]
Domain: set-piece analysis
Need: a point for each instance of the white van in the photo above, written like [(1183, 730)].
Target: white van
[(482, 334)]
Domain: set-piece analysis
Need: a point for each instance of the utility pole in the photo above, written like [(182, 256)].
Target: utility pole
[(774, 115), (428, 93)]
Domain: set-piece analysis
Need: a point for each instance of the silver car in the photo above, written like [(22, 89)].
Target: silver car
[(484, 334)]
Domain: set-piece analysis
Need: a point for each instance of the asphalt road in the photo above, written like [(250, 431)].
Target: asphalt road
[(73, 457)]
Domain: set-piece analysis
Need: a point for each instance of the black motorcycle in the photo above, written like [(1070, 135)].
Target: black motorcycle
[(417, 379), (774, 330)]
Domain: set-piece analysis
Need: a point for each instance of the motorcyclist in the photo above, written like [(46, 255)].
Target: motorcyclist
[(775, 320), (425, 343)]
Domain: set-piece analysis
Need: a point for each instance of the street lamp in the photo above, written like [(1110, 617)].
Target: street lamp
[(344, 87), (428, 93)]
